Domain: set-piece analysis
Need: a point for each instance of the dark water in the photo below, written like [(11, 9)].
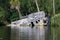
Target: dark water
[(27, 33)]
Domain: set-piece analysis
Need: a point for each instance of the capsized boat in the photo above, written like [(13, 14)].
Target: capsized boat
[(33, 17)]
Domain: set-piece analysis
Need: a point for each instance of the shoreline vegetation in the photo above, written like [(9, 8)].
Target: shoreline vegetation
[(7, 15)]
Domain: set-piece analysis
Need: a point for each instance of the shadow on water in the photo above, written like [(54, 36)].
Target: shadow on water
[(6, 33)]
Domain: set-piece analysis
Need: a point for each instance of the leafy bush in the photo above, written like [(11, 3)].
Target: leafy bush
[(55, 26)]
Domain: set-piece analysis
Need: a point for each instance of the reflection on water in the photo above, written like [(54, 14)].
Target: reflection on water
[(27, 33)]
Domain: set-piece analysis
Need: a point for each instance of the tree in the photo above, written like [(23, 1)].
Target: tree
[(16, 4)]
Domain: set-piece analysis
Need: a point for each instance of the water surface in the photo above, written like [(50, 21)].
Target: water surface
[(27, 33)]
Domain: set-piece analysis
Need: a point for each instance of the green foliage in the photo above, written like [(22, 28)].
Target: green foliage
[(57, 4), (55, 26), (2, 11), (14, 15), (2, 14), (56, 19), (26, 7)]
